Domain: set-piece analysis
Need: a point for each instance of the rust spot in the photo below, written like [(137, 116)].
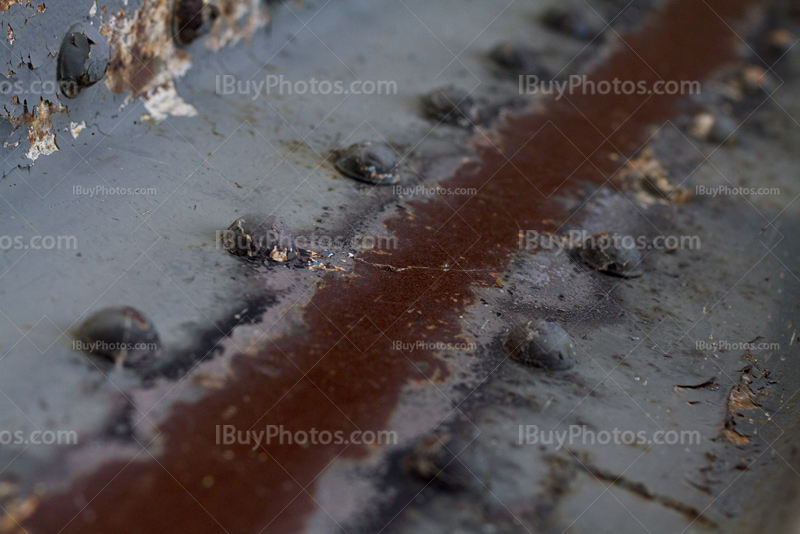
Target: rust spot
[(741, 398), (145, 61), (39, 126), (645, 177), (239, 20), (142, 50), (729, 434), (341, 372), (5, 4)]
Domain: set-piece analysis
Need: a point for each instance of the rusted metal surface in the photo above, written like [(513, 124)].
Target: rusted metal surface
[(339, 372), (355, 321)]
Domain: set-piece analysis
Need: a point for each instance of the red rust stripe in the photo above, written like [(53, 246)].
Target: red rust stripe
[(354, 377)]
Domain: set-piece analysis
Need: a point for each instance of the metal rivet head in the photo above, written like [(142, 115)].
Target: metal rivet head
[(123, 335), (450, 105), (612, 254), (259, 237), (82, 59), (541, 344), (372, 163)]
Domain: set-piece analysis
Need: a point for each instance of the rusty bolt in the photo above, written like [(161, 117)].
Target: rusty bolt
[(450, 105), (541, 344), (571, 22), (82, 59), (612, 254), (517, 60), (446, 462), (123, 335), (192, 19), (372, 163), (259, 237)]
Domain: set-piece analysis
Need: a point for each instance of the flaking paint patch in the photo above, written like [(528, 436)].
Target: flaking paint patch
[(5, 4), (40, 131), (145, 61), (40, 127), (163, 101), (239, 20), (75, 128)]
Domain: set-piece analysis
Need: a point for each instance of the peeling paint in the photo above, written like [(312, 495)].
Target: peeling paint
[(75, 128), (146, 61), (40, 127), (164, 101), (239, 20), (5, 4), (40, 131), (144, 57), (10, 35)]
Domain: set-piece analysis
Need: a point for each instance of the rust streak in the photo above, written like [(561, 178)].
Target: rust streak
[(354, 375)]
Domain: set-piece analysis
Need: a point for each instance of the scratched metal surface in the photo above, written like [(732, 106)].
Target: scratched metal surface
[(239, 153)]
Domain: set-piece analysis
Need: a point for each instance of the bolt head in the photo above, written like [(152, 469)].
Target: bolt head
[(82, 59)]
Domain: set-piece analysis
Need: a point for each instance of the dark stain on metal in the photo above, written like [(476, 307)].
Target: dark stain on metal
[(342, 373), (207, 340), (438, 460), (637, 488)]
